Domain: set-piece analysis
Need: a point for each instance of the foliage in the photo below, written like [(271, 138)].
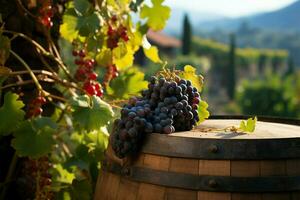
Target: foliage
[(245, 56), (62, 112), (73, 130), (11, 113), (273, 96)]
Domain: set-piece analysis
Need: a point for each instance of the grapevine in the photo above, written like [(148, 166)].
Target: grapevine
[(56, 114)]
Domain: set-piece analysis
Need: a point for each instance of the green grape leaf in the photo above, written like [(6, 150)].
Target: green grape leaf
[(62, 175), (130, 82), (82, 6), (157, 15), (76, 24), (92, 114), (249, 125), (103, 58), (4, 49), (11, 113), (203, 111), (189, 73), (34, 138), (88, 24)]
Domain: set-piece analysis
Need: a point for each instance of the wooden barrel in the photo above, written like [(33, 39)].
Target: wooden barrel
[(215, 165)]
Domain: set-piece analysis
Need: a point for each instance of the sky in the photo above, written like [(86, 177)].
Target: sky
[(229, 8)]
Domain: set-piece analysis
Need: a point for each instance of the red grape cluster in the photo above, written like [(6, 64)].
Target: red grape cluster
[(111, 73), (36, 172), (35, 107), (86, 74), (46, 13), (114, 35)]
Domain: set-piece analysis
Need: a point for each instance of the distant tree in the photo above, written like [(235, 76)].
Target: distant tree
[(186, 36), (231, 78), (291, 67)]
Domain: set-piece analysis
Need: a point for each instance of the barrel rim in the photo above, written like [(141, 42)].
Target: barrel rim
[(224, 149)]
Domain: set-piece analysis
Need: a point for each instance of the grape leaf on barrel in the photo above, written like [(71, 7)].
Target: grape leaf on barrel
[(11, 113), (249, 125)]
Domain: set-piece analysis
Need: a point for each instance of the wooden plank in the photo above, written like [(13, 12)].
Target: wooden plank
[(202, 195), (272, 168), (276, 196), (99, 185), (156, 162), (293, 167), (149, 191), (245, 168), (109, 187), (127, 190), (243, 196), (214, 167), (295, 196), (180, 194), (182, 165), (139, 160)]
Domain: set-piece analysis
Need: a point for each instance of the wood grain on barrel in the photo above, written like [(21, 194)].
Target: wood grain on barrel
[(214, 168), (150, 191), (182, 165)]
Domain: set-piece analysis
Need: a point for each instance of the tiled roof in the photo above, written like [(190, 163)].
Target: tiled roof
[(163, 40)]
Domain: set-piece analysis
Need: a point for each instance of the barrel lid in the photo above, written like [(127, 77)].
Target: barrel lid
[(271, 140), (212, 129)]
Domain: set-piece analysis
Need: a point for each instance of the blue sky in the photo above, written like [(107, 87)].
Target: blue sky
[(230, 8)]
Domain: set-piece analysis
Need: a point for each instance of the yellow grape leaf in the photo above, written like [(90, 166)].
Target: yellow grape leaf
[(249, 125), (120, 51), (135, 40), (189, 73), (152, 54), (126, 60), (203, 112), (68, 29), (104, 57), (157, 15)]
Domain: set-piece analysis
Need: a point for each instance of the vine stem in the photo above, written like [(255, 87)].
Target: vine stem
[(38, 85), (10, 172), (41, 50)]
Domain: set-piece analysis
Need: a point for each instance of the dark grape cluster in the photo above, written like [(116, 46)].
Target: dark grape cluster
[(36, 174), (165, 107), (46, 13), (85, 73), (35, 106)]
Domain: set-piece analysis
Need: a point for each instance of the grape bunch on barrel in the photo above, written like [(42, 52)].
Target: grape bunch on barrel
[(169, 104)]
